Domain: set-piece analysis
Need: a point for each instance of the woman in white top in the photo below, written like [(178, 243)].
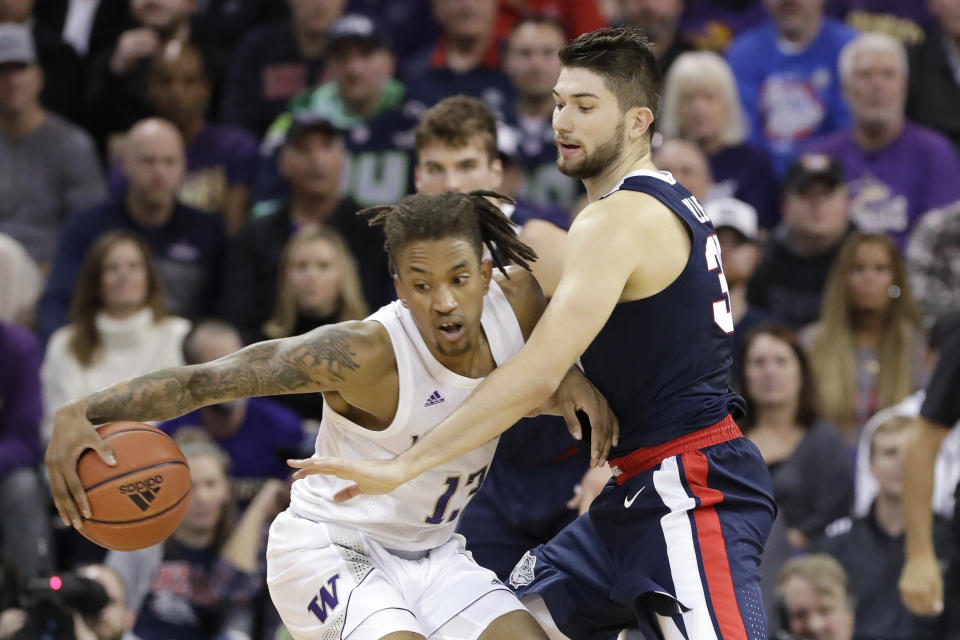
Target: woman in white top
[(118, 325)]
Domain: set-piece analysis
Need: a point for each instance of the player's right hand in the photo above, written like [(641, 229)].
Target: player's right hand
[(72, 435), (921, 586)]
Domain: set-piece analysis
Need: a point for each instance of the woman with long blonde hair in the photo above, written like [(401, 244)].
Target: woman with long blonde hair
[(319, 284), (867, 347)]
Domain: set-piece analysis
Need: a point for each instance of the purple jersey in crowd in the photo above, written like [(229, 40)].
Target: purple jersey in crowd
[(891, 188)]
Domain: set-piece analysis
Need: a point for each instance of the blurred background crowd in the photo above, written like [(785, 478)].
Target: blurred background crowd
[(178, 178)]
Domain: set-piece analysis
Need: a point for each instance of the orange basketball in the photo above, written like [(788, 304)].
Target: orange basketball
[(140, 501)]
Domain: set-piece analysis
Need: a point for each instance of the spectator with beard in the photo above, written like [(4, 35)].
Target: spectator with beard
[(275, 62)]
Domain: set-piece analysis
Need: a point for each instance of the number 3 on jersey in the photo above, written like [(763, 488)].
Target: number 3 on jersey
[(722, 314)]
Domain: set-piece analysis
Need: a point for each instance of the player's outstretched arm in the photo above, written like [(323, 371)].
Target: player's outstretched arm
[(601, 254), (325, 359)]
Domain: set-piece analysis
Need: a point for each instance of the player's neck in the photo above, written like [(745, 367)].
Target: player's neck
[(474, 363), (602, 184)]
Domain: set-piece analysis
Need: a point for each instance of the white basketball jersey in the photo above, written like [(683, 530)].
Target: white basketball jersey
[(423, 513)]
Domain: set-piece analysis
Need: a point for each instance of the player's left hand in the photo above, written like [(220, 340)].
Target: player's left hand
[(371, 477), (576, 393)]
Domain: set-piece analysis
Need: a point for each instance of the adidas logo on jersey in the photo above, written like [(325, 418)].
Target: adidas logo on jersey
[(435, 398)]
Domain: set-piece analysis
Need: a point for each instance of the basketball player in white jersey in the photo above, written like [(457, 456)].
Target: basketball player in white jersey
[(384, 566)]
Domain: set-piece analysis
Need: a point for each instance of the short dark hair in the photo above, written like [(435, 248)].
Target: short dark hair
[(455, 121), (470, 216), (623, 58)]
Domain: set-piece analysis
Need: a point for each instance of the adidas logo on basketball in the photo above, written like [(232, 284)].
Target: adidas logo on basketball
[(142, 492), (435, 398)]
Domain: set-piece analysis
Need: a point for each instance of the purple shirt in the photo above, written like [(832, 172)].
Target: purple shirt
[(891, 188), (220, 157), (259, 449), (21, 406)]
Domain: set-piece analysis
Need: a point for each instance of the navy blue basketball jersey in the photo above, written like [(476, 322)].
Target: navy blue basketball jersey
[(663, 362)]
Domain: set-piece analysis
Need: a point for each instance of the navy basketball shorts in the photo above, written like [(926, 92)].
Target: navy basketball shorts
[(672, 547)]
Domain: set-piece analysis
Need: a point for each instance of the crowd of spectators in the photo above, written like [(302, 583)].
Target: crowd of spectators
[(179, 178)]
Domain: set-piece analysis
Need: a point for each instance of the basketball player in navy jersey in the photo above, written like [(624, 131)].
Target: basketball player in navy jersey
[(673, 541)]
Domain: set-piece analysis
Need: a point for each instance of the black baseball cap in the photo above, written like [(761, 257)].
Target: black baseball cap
[(811, 168), (307, 122), (356, 28)]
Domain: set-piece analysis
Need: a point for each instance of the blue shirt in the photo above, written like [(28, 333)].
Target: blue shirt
[(789, 96)]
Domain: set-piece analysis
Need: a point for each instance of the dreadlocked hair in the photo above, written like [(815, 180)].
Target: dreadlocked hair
[(470, 216)]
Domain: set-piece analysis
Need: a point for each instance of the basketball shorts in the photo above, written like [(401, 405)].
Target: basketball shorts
[(335, 583), (672, 549)]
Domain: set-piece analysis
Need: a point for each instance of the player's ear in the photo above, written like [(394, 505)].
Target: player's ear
[(486, 272), (639, 121), (397, 287)]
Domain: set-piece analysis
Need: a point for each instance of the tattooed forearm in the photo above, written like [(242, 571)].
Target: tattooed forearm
[(316, 361)]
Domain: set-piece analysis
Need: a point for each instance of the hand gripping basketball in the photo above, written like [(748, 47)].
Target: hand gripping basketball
[(72, 435)]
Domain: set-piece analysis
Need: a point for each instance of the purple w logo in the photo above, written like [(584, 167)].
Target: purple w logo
[(318, 606)]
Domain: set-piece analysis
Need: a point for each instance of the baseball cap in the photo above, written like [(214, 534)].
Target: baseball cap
[(733, 213), (358, 28), (16, 44), (306, 122), (813, 167)]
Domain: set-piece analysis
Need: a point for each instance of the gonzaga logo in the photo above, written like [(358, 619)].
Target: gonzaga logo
[(142, 492)]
